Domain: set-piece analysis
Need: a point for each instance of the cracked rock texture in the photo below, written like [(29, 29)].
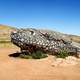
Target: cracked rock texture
[(31, 39)]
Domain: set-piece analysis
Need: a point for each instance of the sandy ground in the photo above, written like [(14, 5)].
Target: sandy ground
[(29, 69)]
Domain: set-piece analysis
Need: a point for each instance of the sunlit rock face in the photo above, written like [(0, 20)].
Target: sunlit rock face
[(32, 39)]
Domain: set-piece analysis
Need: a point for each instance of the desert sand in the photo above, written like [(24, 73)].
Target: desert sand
[(30, 69)]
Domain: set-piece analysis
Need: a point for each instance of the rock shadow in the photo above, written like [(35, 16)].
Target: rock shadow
[(17, 54)]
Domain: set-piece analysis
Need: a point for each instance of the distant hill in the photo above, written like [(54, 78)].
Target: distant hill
[(74, 38), (5, 33), (6, 30)]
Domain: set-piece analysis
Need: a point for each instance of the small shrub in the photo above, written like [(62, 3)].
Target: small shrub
[(34, 55), (38, 55), (25, 56), (62, 54)]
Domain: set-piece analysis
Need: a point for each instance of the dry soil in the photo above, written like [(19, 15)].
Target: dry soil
[(30, 69)]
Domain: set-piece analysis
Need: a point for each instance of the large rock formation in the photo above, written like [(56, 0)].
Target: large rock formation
[(30, 40)]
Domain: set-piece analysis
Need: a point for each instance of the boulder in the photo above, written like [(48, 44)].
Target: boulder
[(30, 40)]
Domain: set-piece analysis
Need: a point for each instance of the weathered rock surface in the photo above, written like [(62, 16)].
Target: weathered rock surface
[(32, 39)]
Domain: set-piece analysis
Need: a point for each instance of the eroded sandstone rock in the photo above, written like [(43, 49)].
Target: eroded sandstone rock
[(30, 40)]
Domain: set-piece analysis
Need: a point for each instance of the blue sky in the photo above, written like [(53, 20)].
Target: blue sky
[(59, 15)]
